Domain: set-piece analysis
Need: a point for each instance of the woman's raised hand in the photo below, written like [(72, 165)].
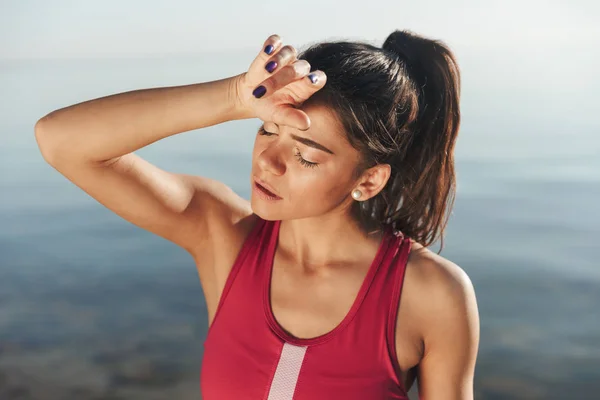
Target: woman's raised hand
[(276, 84)]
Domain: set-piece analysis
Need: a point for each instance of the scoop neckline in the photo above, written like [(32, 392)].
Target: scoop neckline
[(362, 292)]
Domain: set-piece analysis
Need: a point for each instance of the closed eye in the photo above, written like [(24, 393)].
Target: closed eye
[(263, 132), (297, 154), (304, 162)]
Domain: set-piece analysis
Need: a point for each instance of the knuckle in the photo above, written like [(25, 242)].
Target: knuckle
[(270, 83), (281, 57), (289, 73), (273, 38), (289, 50), (284, 77), (301, 68)]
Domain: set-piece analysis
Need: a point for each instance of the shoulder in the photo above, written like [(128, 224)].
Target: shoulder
[(442, 293), (443, 312), (440, 277)]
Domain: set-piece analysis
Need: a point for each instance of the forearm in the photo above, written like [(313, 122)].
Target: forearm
[(111, 126)]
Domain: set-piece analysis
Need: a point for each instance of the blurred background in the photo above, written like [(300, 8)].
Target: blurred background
[(92, 307)]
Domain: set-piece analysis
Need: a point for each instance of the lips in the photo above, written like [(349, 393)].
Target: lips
[(266, 189)]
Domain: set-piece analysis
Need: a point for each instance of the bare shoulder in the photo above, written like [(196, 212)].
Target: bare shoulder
[(442, 332), (447, 286), (439, 299)]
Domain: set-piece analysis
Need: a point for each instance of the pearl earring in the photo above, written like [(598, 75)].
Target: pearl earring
[(356, 194)]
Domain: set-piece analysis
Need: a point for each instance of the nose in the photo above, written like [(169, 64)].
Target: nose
[(271, 159)]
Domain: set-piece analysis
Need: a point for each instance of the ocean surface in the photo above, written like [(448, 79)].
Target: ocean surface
[(92, 307)]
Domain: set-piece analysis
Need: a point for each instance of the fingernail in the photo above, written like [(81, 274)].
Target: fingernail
[(271, 66), (259, 92), (313, 78), (269, 49)]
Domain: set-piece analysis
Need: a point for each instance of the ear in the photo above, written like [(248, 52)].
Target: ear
[(373, 180)]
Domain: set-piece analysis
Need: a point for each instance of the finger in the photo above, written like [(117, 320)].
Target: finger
[(304, 88), (290, 73), (270, 46), (288, 115), (262, 68)]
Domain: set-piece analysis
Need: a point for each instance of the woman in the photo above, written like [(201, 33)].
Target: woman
[(352, 177)]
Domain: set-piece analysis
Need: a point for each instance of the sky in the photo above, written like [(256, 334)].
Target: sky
[(139, 28)]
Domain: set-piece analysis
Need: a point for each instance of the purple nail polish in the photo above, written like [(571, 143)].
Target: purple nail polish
[(270, 67), (259, 92), (269, 49), (313, 78)]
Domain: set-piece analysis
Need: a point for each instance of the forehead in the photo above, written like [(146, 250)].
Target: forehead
[(325, 127)]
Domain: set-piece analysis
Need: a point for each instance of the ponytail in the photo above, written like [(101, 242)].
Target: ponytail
[(428, 166)]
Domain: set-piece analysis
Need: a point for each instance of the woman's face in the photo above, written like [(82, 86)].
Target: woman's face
[(308, 173)]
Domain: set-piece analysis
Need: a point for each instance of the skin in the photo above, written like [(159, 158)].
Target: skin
[(322, 255)]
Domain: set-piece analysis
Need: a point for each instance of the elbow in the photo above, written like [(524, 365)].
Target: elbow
[(47, 139)]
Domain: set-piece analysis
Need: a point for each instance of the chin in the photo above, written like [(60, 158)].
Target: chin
[(276, 211), (266, 211)]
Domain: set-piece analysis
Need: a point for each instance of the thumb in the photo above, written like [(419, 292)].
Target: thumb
[(291, 116)]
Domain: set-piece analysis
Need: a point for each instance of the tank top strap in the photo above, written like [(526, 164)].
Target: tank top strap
[(390, 271), (397, 272), (380, 290), (255, 248), (392, 297), (382, 302)]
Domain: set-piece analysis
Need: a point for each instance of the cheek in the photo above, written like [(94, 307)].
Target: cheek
[(317, 189)]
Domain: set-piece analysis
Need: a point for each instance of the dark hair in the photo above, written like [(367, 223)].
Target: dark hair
[(399, 105)]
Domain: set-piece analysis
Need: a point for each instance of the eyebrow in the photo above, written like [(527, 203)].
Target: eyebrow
[(307, 141), (311, 143)]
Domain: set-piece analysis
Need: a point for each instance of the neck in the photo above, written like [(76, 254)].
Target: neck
[(330, 239)]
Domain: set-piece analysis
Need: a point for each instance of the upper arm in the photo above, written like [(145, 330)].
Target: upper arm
[(450, 335), (180, 208)]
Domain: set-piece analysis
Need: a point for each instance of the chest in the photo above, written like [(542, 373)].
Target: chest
[(310, 303)]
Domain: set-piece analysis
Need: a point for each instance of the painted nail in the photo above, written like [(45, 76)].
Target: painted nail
[(269, 49), (270, 67), (259, 92), (313, 78)]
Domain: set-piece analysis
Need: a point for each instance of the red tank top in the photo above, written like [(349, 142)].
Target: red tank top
[(248, 355)]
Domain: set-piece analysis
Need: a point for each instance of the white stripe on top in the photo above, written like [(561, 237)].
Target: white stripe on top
[(286, 375)]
